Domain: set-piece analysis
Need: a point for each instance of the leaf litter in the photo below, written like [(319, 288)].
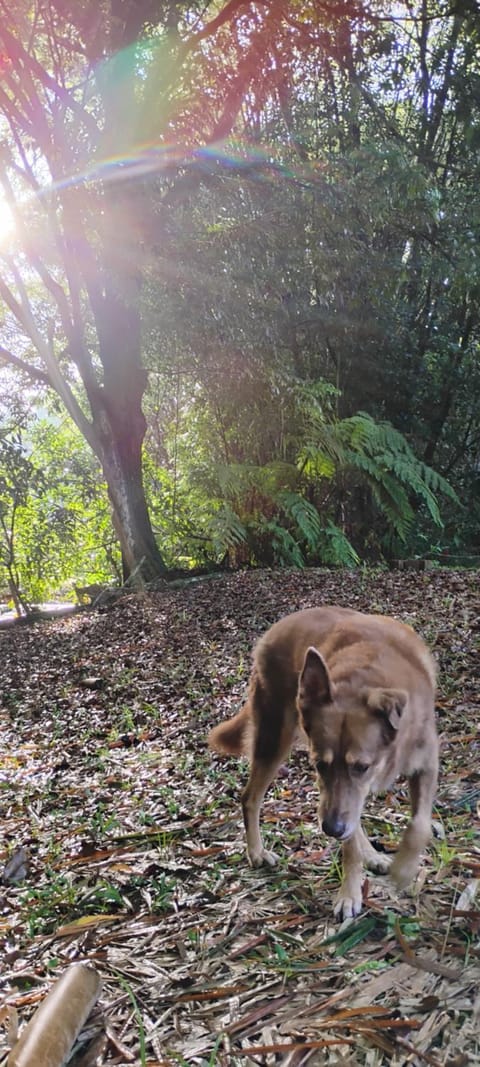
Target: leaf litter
[(123, 842)]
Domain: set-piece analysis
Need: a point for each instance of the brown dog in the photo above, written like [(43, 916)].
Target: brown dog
[(361, 687)]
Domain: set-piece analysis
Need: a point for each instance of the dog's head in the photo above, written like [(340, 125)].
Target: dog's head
[(351, 731)]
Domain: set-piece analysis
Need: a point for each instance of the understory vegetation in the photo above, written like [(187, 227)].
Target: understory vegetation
[(261, 349)]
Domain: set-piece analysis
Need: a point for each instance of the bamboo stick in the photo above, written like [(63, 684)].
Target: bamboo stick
[(51, 1033)]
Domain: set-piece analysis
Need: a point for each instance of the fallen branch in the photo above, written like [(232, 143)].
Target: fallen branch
[(48, 1038)]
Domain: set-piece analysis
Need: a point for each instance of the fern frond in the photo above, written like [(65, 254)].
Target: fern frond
[(393, 502), (337, 549), (361, 462), (304, 515), (315, 463), (437, 483), (235, 479), (357, 432), (226, 530), (286, 551), (392, 470)]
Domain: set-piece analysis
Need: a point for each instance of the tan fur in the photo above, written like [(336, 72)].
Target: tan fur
[(230, 737), (360, 689)]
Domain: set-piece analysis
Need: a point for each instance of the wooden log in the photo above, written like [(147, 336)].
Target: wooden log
[(48, 1038)]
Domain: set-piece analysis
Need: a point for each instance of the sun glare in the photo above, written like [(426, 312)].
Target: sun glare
[(6, 220)]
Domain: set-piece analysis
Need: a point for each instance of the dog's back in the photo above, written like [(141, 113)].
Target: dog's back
[(363, 649), (332, 630)]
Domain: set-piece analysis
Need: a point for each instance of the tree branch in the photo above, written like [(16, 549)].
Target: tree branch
[(24, 315), (52, 286), (17, 52), (70, 318), (11, 112), (231, 9), (28, 368), (246, 69)]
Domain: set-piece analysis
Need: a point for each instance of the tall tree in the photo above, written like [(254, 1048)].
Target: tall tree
[(95, 99)]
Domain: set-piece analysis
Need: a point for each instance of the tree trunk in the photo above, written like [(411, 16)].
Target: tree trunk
[(118, 421), (122, 466), (119, 427)]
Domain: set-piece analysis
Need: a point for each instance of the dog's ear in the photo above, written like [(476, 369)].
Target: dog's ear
[(389, 703), (314, 685)]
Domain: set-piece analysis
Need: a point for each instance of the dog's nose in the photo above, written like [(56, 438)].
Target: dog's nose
[(334, 825)]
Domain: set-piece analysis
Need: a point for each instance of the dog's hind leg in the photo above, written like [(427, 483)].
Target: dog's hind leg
[(422, 785), (275, 727), (262, 774), (378, 862)]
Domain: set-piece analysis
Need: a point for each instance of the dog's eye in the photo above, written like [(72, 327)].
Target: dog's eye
[(322, 767), (360, 768)]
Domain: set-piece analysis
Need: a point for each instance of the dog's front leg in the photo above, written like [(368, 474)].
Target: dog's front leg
[(261, 775), (349, 898), (422, 786)]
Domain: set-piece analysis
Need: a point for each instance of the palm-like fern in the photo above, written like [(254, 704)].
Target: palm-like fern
[(226, 531), (392, 470), (284, 512)]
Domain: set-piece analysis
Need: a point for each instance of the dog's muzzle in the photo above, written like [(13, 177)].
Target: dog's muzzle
[(334, 826)]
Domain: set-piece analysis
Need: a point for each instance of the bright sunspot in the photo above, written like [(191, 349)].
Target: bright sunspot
[(6, 220)]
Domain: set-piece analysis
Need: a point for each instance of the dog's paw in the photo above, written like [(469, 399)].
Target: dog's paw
[(378, 862), (263, 858), (403, 870), (348, 904)]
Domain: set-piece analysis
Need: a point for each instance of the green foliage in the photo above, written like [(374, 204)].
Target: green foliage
[(286, 511), (19, 479), (310, 313), (275, 544), (226, 531), (55, 526), (68, 537), (337, 548), (344, 279), (385, 460), (304, 516)]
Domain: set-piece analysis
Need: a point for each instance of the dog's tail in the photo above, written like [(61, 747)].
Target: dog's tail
[(231, 737)]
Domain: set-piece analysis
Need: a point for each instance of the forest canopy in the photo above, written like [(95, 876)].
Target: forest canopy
[(239, 296)]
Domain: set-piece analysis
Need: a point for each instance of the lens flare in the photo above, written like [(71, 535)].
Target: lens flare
[(6, 220), (261, 163)]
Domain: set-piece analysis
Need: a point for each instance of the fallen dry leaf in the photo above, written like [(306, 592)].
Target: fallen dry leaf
[(136, 850)]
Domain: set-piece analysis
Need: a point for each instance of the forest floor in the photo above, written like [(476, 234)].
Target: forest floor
[(122, 841)]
